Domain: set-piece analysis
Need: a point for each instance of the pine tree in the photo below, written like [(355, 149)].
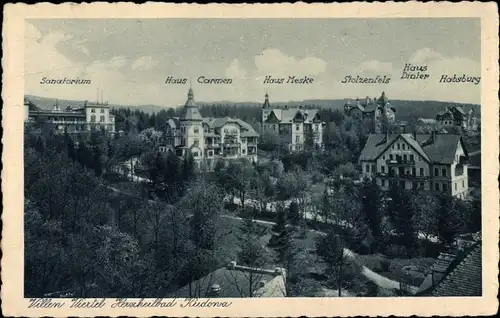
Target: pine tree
[(39, 146), (371, 209), (293, 213)]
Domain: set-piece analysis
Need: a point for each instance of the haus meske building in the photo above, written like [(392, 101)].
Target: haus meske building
[(435, 162), (209, 138), (294, 126), (83, 119), (376, 111)]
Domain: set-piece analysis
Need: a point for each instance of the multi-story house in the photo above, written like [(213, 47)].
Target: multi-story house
[(79, 120), (209, 139), (456, 117), (377, 112), (435, 162), (295, 127)]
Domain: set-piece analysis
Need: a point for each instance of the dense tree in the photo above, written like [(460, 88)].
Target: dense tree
[(371, 209)]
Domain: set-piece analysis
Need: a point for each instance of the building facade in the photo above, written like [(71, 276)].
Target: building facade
[(433, 162), (294, 127), (90, 116), (209, 139), (456, 116), (377, 112)]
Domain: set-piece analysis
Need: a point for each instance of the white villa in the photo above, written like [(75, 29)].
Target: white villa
[(209, 139)]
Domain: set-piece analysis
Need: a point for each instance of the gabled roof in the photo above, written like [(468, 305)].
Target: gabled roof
[(247, 130), (443, 148), (235, 283), (435, 149), (465, 279), (288, 115)]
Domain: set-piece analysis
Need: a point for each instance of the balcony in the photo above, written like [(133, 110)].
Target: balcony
[(400, 162), (231, 144), (211, 146)]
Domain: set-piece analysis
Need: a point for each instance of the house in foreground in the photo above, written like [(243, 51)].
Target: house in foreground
[(436, 162), (208, 139), (455, 273), (235, 281)]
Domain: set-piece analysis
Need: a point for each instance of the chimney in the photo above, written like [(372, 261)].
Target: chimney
[(357, 102), (415, 134), (214, 290), (367, 100)]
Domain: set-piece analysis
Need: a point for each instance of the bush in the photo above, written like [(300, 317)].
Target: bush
[(398, 251), (317, 177)]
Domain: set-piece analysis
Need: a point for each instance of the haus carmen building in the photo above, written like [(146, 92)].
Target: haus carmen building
[(209, 139)]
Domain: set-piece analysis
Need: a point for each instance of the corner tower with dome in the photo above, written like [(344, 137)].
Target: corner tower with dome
[(191, 127)]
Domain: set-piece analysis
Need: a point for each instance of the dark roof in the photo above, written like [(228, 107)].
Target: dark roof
[(440, 148), (190, 110), (234, 283), (465, 279)]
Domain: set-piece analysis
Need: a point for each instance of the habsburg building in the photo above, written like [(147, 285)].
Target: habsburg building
[(435, 162), (376, 112), (456, 117), (208, 139), (78, 120), (294, 127)]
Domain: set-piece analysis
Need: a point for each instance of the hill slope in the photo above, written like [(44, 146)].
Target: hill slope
[(404, 108)]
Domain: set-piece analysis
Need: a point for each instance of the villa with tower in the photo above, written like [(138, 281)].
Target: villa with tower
[(377, 112), (209, 139), (294, 127)]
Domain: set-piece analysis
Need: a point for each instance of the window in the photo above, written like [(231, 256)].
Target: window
[(205, 130), (196, 130), (383, 157), (92, 118), (413, 171), (102, 110), (274, 127), (92, 110), (436, 172), (196, 142), (421, 171), (455, 186), (382, 169), (436, 186), (316, 127), (297, 139), (420, 185), (102, 119), (404, 147), (411, 158), (390, 157), (399, 146), (404, 158), (445, 187), (226, 131), (463, 184), (443, 171), (243, 151), (195, 153), (374, 168), (297, 127)]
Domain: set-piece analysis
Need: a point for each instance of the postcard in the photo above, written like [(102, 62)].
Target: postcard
[(250, 160)]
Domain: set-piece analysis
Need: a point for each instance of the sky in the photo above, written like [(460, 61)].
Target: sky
[(129, 59)]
